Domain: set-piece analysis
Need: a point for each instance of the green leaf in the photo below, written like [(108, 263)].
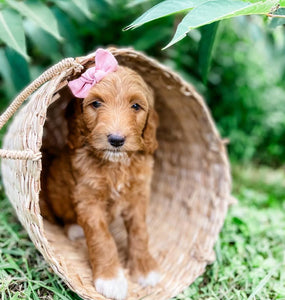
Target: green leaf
[(14, 70), (71, 10), (43, 42), (71, 47), (12, 31), (84, 7), (282, 3), (206, 48), (39, 13), (215, 10), (163, 9), (19, 69), (136, 2), (5, 71)]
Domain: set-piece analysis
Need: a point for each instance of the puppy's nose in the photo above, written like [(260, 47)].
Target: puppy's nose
[(116, 140)]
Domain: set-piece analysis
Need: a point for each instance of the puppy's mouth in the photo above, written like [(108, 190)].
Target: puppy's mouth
[(115, 155), (115, 151)]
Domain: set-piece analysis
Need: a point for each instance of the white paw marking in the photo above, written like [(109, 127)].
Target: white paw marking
[(115, 288), (152, 278), (75, 232)]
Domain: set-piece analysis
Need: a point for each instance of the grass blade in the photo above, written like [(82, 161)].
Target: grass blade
[(262, 283)]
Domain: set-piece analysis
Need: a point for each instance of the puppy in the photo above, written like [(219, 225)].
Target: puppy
[(106, 171)]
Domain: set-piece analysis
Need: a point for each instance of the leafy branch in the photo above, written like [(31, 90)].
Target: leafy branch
[(206, 14), (203, 12)]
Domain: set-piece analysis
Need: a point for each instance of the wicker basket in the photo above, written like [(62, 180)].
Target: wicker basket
[(191, 183)]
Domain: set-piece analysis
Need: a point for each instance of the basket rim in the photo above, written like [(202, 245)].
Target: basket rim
[(61, 80)]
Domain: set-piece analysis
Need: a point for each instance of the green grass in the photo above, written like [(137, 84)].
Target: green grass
[(23, 272), (250, 251)]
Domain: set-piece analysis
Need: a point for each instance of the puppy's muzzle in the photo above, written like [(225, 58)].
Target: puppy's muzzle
[(116, 140)]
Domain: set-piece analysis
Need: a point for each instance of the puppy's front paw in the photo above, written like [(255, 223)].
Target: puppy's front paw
[(144, 270), (151, 279), (115, 288)]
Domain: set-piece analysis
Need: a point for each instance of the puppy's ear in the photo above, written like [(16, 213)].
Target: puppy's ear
[(73, 115), (149, 133)]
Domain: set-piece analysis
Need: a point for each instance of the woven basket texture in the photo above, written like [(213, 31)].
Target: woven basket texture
[(190, 188)]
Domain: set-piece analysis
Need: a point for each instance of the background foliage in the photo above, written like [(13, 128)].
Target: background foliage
[(245, 87)]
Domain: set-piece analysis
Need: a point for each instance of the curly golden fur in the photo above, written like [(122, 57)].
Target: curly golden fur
[(106, 171)]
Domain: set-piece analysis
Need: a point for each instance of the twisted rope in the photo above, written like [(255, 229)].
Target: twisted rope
[(20, 155), (14, 106), (46, 76)]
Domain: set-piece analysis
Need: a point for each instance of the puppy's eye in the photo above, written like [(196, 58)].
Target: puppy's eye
[(136, 106), (96, 104)]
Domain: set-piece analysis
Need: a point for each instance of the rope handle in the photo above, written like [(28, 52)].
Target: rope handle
[(20, 154), (18, 101)]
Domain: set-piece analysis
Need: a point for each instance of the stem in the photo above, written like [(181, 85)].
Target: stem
[(275, 16)]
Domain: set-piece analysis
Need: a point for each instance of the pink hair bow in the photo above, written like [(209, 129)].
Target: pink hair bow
[(105, 63)]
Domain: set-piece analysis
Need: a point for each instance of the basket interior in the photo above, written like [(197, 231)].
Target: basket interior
[(190, 189)]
